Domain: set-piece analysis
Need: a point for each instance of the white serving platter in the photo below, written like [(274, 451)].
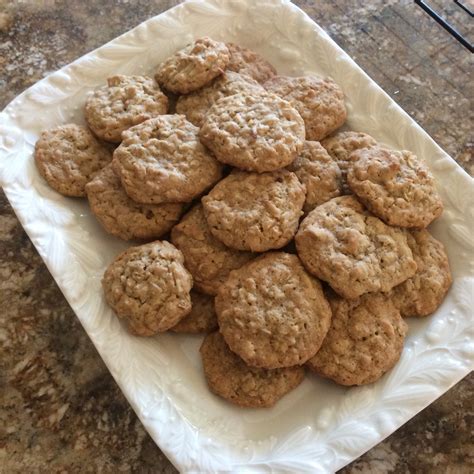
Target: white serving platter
[(319, 427)]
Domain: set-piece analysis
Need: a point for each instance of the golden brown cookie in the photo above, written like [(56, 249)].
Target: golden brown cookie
[(208, 260), (423, 293), (342, 243), (124, 102), (149, 287), (201, 319), (256, 212), (194, 66), (319, 173), (364, 342), (320, 101), (272, 313), (123, 217), (395, 185), (68, 157), (162, 160), (255, 132)]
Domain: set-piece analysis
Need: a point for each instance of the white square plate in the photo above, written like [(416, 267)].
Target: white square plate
[(319, 427)]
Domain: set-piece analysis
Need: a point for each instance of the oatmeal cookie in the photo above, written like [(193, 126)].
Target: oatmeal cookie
[(207, 259), (256, 212), (272, 313), (124, 102), (423, 293), (201, 319), (162, 160), (193, 66), (395, 185), (364, 342), (320, 101), (254, 132), (149, 287), (68, 157), (123, 217), (319, 173), (355, 252)]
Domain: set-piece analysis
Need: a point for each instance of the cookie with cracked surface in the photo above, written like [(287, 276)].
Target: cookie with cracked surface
[(341, 145), (424, 292), (162, 160), (196, 105), (207, 259), (194, 66), (256, 212), (201, 319), (396, 186), (124, 102), (320, 101), (68, 157), (272, 312), (319, 173), (355, 252), (148, 287), (364, 342), (123, 217), (230, 378), (255, 132), (249, 62)]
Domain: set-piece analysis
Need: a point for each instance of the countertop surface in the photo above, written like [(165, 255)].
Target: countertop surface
[(61, 410)]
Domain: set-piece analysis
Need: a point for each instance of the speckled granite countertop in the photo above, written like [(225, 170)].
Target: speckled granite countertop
[(61, 411)]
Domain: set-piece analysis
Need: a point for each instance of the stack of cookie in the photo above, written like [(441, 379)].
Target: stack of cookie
[(301, 245)]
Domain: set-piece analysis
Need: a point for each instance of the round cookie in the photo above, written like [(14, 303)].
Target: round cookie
[(254, 132), (341, 145), (395, 185), (162, 160), (228, 377), (319, 173), (123, 217), (193, 66), (355, 252), (423, 293), (207, 259), (249, 62), (201, 319), (256, 212), (196, 105), (124, 102), (149, 287), (364, 342), (320, 101), (272, 313), (68, 157)]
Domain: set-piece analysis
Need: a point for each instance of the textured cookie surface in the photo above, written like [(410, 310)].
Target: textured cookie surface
[(149, 287), (272, 313), (249, 62), (208, 260), (68, 157), (319, 173), (201, 319), (395, 185), (162, 160), (320, 101), (255, 132), (124, 102), (193, 66), (341, 145), (229, 377), (355, 252), (256, 212), (365, 340), (421, 294), (196, 105), (123, 217)]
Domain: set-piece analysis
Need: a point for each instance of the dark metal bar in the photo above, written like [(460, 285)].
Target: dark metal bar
[(457, 2)]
